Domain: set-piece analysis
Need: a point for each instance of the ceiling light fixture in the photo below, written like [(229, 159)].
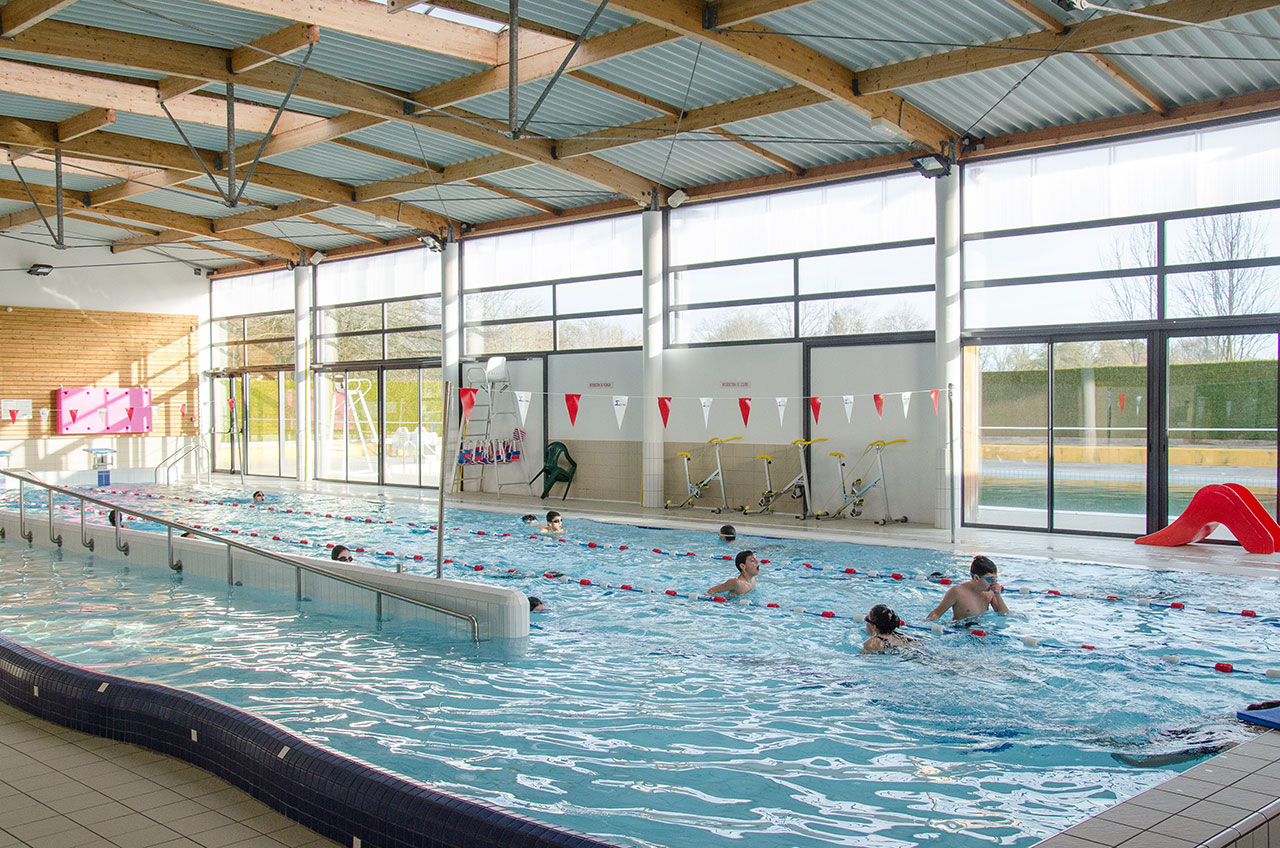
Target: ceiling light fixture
[(317, 257), (932, 165), (432, 242), (677, 198)]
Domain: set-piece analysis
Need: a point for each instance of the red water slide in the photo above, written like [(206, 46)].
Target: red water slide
[(1231, 505)]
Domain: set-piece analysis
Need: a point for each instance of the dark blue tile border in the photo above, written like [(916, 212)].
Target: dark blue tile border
[(316, 787)]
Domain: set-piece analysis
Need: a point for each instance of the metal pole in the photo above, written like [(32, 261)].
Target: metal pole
[(57, 540), (88, 543), (122, 547), (951, 461), (231, 144), (61, 242), (231, 573), (513, 70), (22, 513), (444, 450)]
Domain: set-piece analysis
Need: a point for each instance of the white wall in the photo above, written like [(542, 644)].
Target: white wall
[(864, 371), (597, 377), (760, 372), (126, 282)]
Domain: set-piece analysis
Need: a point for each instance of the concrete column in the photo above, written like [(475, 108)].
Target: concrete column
[(302, 367), (947, 341), (450, 317), (652, 458)]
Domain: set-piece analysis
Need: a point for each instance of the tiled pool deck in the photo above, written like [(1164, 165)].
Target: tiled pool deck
[(60, 788)]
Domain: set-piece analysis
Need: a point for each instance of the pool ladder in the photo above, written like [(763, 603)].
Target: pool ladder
[(196, 446)]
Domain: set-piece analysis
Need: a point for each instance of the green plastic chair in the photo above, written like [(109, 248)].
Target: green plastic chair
[(554, 473)]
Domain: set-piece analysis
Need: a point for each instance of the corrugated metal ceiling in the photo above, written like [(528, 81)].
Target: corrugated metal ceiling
[(688, 163), (550, 186), (573, 107), (414, 141), (667, 72)]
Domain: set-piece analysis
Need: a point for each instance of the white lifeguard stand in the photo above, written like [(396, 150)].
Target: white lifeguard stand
[(492, 438), (103, 460)]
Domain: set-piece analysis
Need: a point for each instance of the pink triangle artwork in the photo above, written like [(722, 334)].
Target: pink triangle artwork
[(99, 411)]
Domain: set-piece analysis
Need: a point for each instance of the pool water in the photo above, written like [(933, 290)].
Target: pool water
[(658, 720)]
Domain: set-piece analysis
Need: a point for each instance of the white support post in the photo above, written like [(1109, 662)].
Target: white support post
[(652, 458), (947, 338), (302, 367), (451, 347)]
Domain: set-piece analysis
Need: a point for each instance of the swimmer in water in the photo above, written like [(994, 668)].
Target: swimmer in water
[(748, 568), (728, 533), (258, 497), (974, 597), (555, 523), (882, 624)]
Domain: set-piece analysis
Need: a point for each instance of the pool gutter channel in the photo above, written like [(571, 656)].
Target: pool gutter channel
[(340, 797)]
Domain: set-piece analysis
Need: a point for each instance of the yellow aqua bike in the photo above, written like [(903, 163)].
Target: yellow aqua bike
[(693, 491), (853, 495), (798, 488)]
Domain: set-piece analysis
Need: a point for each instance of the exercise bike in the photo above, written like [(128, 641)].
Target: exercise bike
[(693, 491), (854, 495), (798, 488)]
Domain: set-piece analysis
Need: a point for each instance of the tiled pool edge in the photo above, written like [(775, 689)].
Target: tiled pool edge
[(350, 802), (1230, 801)]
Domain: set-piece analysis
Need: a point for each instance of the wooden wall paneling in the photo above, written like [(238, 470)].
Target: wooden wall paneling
[(42, 350)]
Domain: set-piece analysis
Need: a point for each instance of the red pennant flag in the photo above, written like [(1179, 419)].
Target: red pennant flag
[(879, 399), (815, 403), (13, 416), (129, 410), (571, 404), (933, 393), (744, 406), (73, 412), (1122, 401), (467, 397), (664, 407), (183, 413)]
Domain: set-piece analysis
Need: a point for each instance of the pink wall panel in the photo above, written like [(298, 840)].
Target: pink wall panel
[(92, 411)]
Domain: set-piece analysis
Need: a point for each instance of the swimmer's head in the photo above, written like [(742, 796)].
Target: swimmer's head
[(113, 518), (536, 605), (728, 533), (341, 553), (884, 619), (981, 566), (554, 520), (258, 497), (529, 518), (741, 559)]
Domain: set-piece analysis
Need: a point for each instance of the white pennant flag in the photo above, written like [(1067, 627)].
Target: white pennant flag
[(44, 416), (522, 404), (706, 411), (848, 409), (906, 403), (782, 410), (619, 408)]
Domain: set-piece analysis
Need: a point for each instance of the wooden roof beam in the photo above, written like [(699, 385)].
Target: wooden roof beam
[(23, 217), (1040, 16), (344, 229), (170, 87), (486, 13), (1098, 32), (370, 20), (162, 218), (732, 12), (19, 15), (159, 55), (795, 61), (138, 97), (280, 43), (85, 123)]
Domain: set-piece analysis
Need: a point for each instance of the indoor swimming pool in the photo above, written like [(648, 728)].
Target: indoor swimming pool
[(646, 715)]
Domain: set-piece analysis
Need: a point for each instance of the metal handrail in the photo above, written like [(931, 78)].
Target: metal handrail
[(296, 564), (171, 461)]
